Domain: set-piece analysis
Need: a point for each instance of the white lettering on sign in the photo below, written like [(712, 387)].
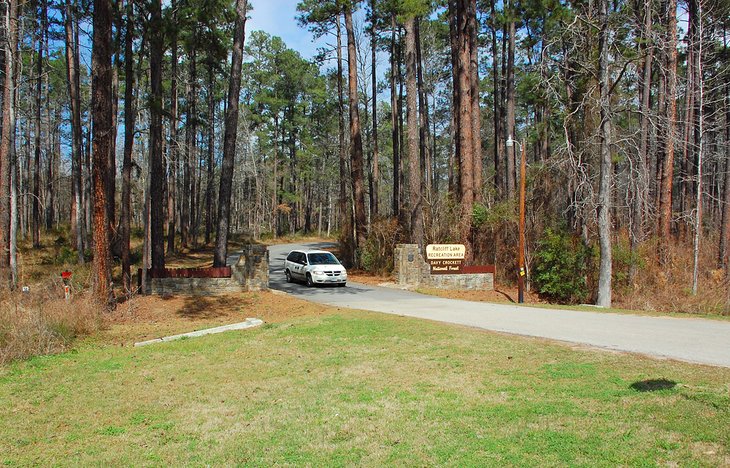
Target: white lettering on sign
[(445, 251)]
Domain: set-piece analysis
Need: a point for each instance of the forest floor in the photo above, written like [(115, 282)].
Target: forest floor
[(321, 385)]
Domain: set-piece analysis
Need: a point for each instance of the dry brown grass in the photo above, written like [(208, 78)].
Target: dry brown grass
[(147, 317), (41, 322), (668, 288)]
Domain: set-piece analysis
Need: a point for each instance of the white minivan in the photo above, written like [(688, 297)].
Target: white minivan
[(314, 267)]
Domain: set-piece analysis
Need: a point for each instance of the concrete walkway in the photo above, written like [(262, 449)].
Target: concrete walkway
[(686, 339)]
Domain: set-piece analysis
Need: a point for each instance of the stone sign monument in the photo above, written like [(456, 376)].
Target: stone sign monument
[(443, 267)]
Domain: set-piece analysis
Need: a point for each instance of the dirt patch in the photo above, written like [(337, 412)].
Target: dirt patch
[(364, 277), (502, 294), (146, 317)]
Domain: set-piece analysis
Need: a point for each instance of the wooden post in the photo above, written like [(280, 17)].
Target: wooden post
[(521, 253)]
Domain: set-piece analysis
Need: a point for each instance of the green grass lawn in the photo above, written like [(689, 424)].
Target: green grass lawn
[(361, 388)]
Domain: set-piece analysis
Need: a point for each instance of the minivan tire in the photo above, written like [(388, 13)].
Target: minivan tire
[(310, 283), (288, 276)]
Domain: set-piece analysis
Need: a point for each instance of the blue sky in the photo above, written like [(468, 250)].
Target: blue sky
[(278, 18)]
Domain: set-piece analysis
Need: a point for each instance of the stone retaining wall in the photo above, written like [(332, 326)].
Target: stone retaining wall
[(412, 270), (249, 273), (192, 286)]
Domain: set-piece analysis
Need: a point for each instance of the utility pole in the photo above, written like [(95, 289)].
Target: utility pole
[(521, 254), (510, 143)]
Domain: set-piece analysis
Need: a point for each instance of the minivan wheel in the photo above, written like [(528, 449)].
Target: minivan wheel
[(288, 276), (310, 283)]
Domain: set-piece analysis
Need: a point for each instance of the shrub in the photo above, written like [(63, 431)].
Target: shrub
[(376, 256), (623, 260), (561, 267)]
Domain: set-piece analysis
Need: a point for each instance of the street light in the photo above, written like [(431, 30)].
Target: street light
[(521, 253)]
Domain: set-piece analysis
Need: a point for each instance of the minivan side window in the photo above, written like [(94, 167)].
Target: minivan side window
[(291, 257)]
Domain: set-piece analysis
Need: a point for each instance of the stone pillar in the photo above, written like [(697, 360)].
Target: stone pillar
[(409, 267), (252, 268)]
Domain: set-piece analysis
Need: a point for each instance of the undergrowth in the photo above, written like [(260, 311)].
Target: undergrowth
[(40, 321)]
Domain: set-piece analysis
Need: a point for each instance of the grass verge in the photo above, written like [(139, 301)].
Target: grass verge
[(340, 387)]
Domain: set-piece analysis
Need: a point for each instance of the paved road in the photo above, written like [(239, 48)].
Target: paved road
[(686, 339)]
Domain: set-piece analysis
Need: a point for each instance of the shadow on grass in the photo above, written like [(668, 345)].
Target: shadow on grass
[(205, 307), (653, 385)]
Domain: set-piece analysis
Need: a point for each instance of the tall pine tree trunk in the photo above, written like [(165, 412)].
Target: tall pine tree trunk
[(374, 202), (36, 229), (642, 179), (394, 112), (414, 163), (476, 113), (499, 160), (73, 85), (229, 139), (356, 153), (724, 256), (424, 125), (157, 167), (7, 139), (192, 149), (510, 114), (670, 106), (101, 115), (172, 188), (130, 114), (211, 160), (464, 11), (454, 169)]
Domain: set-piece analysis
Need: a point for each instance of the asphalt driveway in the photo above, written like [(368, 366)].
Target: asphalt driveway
[(686, 339)]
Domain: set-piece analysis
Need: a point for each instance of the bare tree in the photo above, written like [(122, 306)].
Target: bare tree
[(605, 183)]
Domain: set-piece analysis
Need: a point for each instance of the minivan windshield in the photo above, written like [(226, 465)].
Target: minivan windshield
[(322, 259)]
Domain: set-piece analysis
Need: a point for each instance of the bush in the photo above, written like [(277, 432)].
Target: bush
[(623, 260), (561, 267), (376, 256)]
